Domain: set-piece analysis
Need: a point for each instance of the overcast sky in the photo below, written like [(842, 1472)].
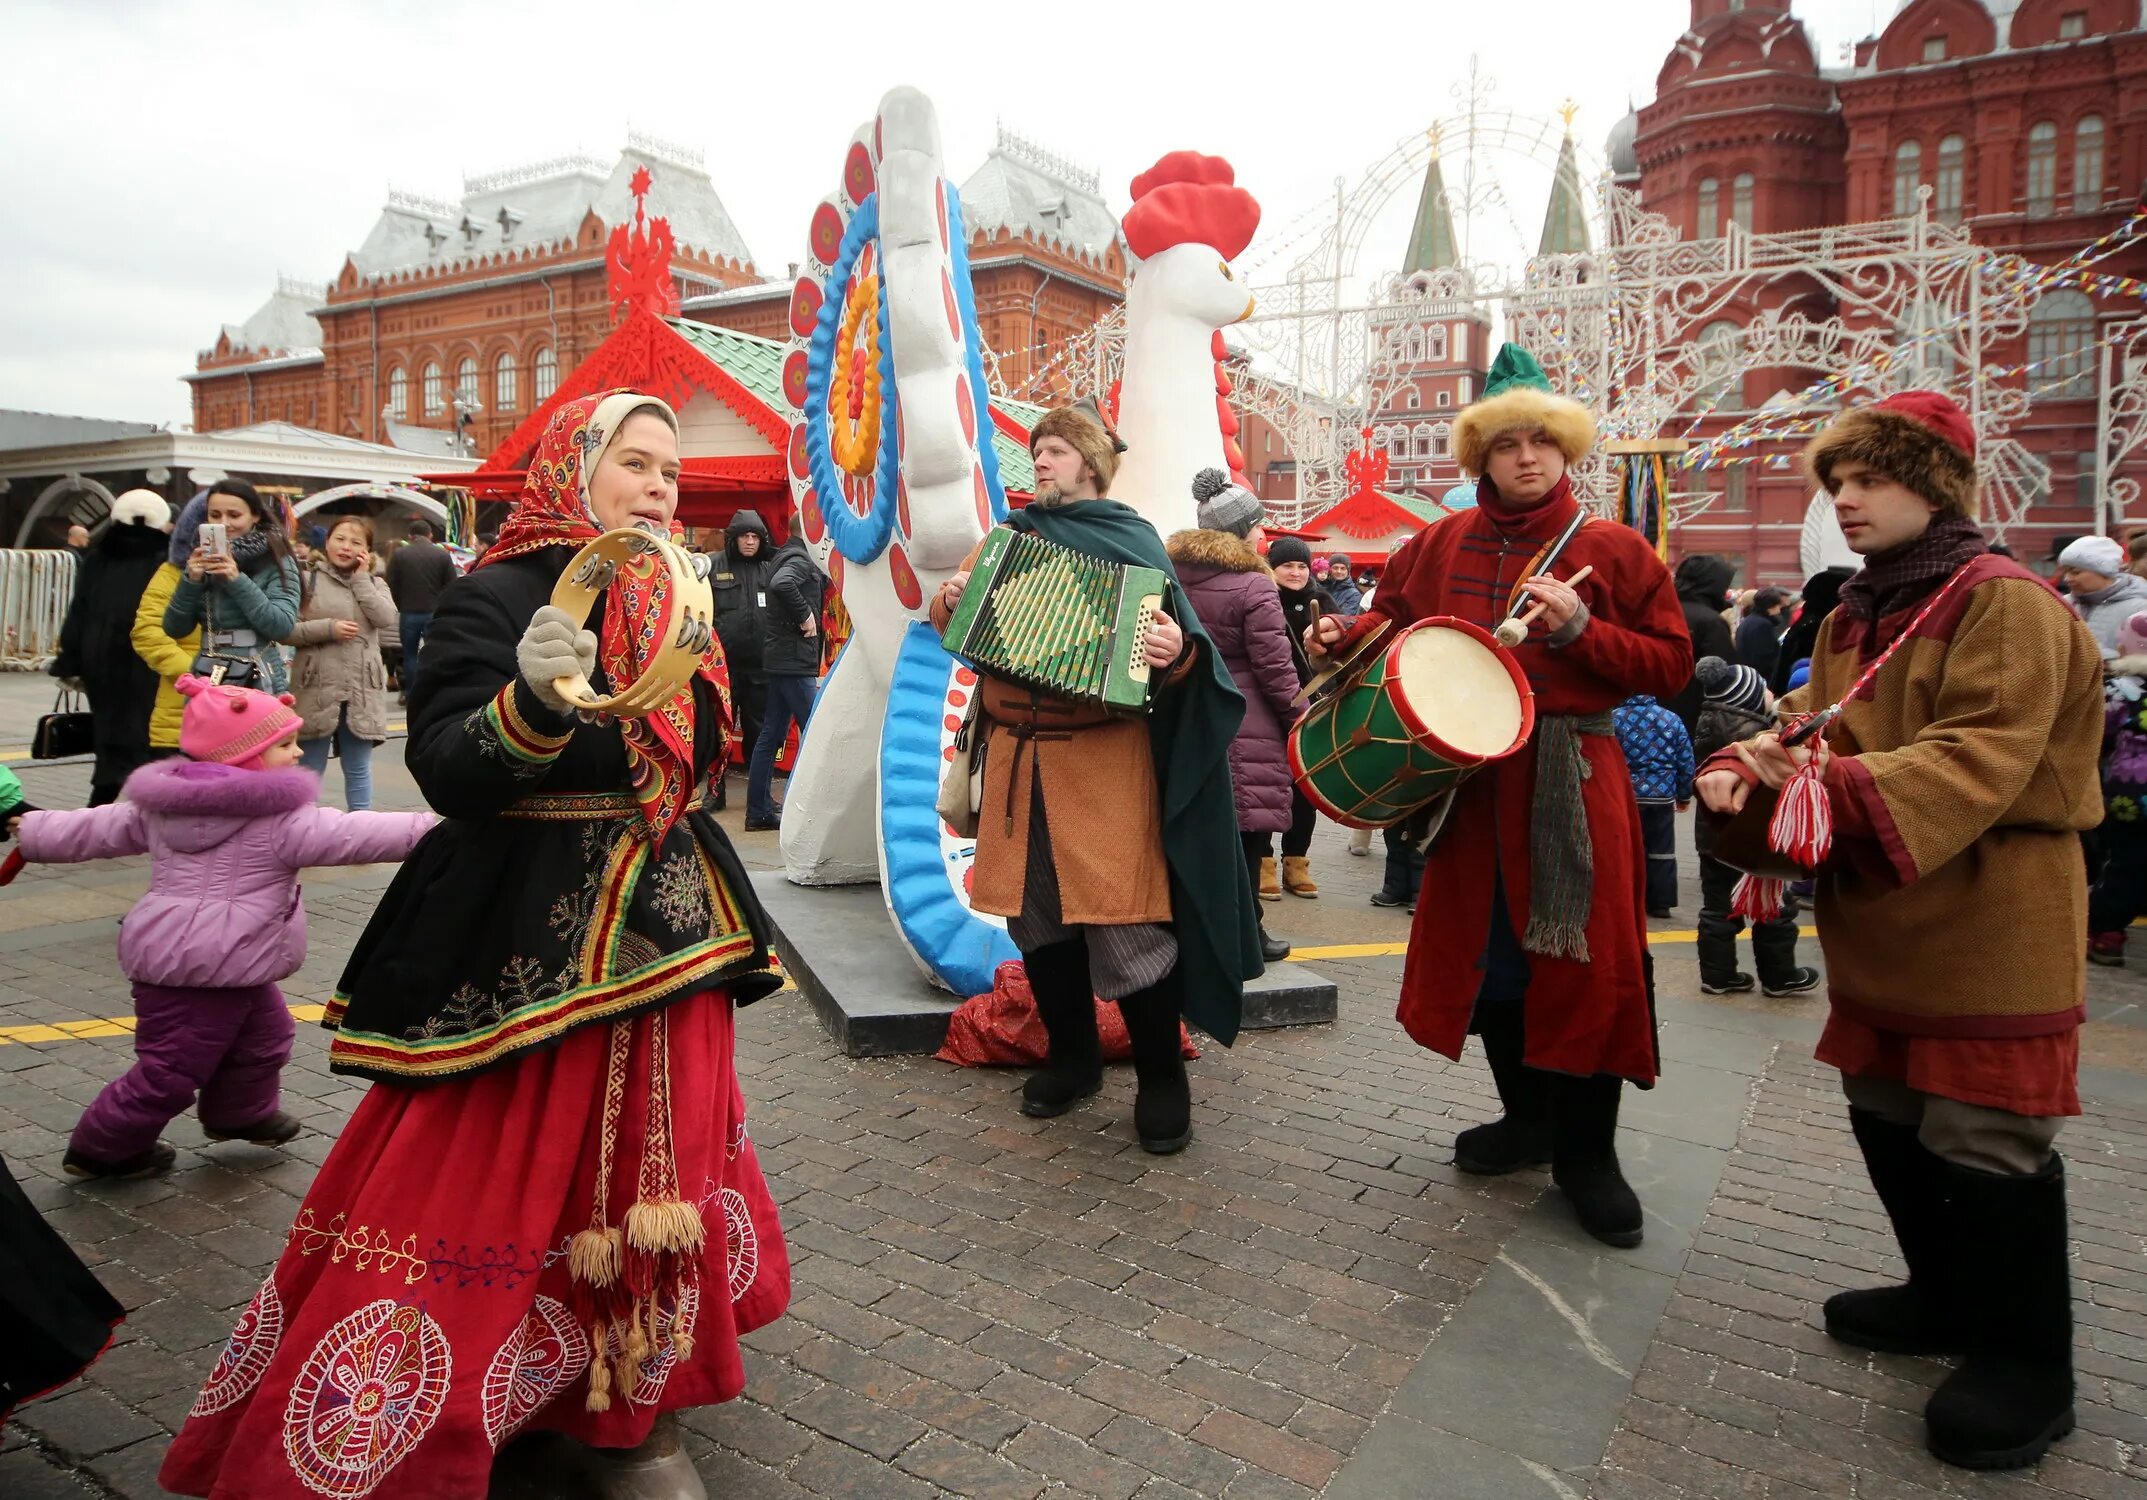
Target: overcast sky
[(167, 158)]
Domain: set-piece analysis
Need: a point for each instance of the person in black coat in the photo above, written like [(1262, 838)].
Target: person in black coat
[(1703, 587), (1759, 634), (790, 663), (96, 645), (1822, 591), (739, 581)]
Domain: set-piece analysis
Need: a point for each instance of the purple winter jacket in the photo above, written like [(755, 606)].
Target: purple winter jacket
[(1234, 595), (225, 847)]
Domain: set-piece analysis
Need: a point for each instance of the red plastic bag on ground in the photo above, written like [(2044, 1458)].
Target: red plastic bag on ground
[(1002, 1028)]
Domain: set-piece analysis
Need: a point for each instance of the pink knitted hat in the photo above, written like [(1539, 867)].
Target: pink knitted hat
[(231, 725), (2132, 636)]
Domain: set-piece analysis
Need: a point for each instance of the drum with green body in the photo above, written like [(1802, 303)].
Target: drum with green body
[(1440, 701)]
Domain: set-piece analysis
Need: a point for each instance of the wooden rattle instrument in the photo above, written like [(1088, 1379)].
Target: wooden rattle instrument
[(1511, 633), (687, 629)]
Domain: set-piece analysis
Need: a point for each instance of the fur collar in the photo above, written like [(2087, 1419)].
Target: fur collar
[(1215, 549), (177, 786)]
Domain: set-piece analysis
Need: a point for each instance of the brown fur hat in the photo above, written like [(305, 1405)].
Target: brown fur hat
[(1518, 409), (1919, 451), (1087, 436)]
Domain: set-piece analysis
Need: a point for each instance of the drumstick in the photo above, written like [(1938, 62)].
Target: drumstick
[(1514, 631)]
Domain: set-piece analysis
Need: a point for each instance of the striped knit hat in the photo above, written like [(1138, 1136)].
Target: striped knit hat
[(1732, 684), (232, 725)]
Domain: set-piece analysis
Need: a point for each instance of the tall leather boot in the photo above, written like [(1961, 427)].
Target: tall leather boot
[(1522, 1136), (1163, 1104), (1584, 1158), (656, 1470), (2011, 1398), (1911, 1318), (1073, 1069)]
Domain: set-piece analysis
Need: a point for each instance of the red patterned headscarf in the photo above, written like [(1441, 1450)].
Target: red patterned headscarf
[(554, 511)]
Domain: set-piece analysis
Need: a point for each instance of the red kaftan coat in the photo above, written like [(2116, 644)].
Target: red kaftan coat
[(1582, 1018)]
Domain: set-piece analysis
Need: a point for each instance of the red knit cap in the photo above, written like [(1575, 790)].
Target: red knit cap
[(1941, 415), (232, 725)]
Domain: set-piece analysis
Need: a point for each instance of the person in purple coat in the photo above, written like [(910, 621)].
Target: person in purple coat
[(227, 827), (1234, 595)]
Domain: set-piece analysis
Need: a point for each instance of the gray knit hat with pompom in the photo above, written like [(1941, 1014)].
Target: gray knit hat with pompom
[(1732, 684), (1225, 506)]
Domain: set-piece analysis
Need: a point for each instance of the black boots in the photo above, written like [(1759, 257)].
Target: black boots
[(1988, 1279), (1163, 1105), (1912, 1318), (1522, 1137), (1058, 978), (1584, 1158), (1273, 950), (2012, 1396)]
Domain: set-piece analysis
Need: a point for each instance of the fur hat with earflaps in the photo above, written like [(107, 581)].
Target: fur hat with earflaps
[(1082, 426), (1919, 439), (1518, 398)]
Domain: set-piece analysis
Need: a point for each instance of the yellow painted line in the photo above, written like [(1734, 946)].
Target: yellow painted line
[(1396, 950)]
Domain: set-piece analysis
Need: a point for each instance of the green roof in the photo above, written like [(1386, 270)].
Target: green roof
[(757, 364), (754, 362), (1565, 221), (1431, 240), (1423, 507)]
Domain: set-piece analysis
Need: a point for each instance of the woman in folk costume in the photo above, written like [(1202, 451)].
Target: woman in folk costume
[(1106, 841), (1952, 902), (546, 1213), (1530, 930)]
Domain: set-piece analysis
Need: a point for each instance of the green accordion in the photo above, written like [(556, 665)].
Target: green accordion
[(1051, 618)]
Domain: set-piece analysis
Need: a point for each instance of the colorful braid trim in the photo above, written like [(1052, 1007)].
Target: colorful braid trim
[(523, 741)]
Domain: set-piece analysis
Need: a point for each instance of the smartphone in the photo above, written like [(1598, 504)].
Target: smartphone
[(213, 541)]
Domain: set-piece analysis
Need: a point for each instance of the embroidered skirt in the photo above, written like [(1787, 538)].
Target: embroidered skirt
[(422, 1313)]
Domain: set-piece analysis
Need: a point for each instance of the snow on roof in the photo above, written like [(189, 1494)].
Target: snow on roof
[(1026, 189)]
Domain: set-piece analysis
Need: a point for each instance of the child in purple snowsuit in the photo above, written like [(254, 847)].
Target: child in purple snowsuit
[(227, 828)]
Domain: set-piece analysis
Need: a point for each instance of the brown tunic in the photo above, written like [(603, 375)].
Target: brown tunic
[(1100, 803)]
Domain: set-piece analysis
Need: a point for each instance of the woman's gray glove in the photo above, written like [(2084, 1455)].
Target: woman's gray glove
[(554, 646)]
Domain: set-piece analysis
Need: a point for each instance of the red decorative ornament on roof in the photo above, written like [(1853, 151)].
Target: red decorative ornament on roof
[(1190, 199), (638, 259), (1367, 467)]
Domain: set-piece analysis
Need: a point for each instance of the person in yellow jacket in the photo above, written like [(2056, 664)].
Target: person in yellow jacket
[(166, 656)]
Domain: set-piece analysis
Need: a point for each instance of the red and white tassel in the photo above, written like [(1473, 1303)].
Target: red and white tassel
[(1803, 823), (1757, 898)]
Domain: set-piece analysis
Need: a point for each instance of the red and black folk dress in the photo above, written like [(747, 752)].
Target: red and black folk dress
[(1583, 1015), (544, 1002)]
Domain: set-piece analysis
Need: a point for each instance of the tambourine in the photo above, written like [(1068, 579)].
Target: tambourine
[(687, 630)]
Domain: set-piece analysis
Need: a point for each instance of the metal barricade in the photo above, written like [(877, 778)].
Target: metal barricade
[(35, 590)]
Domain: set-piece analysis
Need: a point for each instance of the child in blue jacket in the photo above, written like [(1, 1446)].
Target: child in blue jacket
[(1658, 755)]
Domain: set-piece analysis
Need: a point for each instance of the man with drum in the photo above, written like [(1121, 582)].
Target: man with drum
[(1532, 931)]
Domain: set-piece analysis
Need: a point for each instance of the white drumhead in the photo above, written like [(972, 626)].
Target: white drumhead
[(1460, 690)]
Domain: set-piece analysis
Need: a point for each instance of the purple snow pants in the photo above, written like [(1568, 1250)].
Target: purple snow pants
[(227, 1045)]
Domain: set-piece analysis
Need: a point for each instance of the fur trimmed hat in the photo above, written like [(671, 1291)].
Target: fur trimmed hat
[(1919, 439), (1518, 398), (142, 508), (1082, 427), (232, 725)]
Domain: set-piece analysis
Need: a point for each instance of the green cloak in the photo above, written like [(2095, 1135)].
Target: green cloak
[(1189, 730)]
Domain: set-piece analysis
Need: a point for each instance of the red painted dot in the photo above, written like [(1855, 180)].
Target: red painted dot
[(965, 676), (904, 578), (953, 721), (815, 523), (954, 308), (794, 378), (957, 698), (947, 754), (965, 402), (902, 503), (983, 495), (798, 464), (826, 239), (804, 307), (857, 176)]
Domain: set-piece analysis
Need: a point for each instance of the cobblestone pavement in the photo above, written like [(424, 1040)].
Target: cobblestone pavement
[(1309, 1300)]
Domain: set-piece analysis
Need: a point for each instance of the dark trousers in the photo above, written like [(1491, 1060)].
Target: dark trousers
[(789, 698), (1296, 840), (412, 629), (226, 1045), (114, 766), (1658, 835), (1405, 862), (2120, 893), (1774, 944), (749, 704)]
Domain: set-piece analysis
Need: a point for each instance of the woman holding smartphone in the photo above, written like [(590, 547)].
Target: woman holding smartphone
[(339, 676), (240, 588)]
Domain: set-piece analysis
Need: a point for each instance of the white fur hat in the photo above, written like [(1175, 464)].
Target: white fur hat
[(2095, 554), (142, 508)]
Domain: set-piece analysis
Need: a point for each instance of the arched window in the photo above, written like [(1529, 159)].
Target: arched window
[(1741, 200), (1720, 351), (1413, 346), (466, 381), (1435, 343), (2042, 169), (435, 392), (1423, 440), (503, 382), (1442, 440), (1908, 176), (1707, 223), (2061, 345), (399, 394), (1952, 176), (1413, 398), (547, 374), (2087, 164)]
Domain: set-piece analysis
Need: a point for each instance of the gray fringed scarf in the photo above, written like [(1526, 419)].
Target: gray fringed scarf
[(1561, 857)]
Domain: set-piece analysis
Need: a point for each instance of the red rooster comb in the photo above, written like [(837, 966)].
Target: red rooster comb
[(1190, 199)]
